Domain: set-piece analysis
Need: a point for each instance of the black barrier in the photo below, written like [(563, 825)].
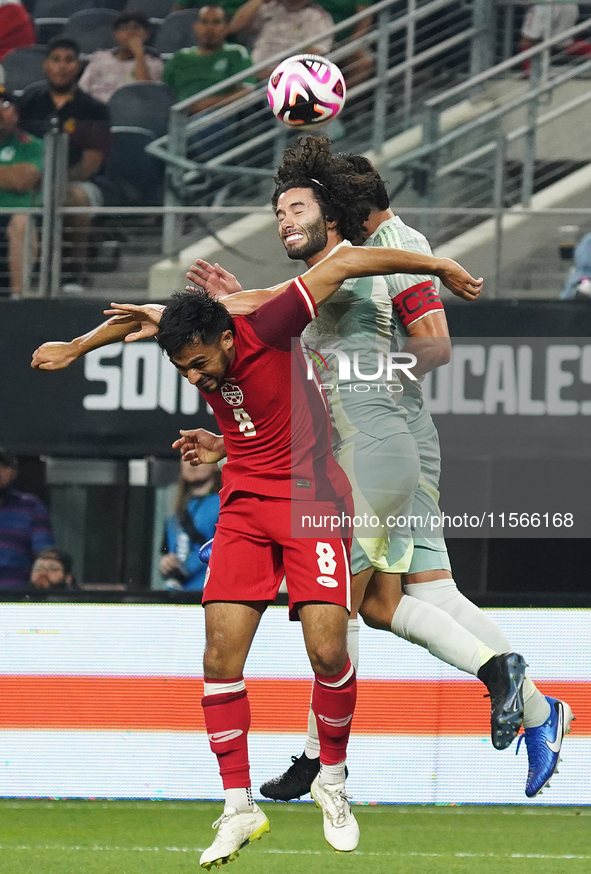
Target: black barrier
[(126, 404), (127, 401), (124, 401)]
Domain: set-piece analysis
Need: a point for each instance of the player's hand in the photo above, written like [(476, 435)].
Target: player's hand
[(147, 316), (459, 280), (212, 278), (200, 446), (54, 356)]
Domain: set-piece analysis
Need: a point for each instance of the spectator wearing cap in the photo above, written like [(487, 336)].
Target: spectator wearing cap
[(51, 574), (61, 105), (16, 27), (25, 528), (108, 70), (21, 161)]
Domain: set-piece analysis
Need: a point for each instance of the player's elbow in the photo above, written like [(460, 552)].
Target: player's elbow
[(442, 351)]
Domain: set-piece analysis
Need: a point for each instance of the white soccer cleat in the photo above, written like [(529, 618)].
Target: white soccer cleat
[(236, 829), (340, 826)]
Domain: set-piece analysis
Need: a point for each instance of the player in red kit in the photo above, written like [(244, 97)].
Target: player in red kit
[(276, 436)]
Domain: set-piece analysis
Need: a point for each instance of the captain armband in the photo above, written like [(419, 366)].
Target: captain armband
[(416, 302)]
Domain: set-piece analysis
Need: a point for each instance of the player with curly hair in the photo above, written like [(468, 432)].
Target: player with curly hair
[(318, 198)]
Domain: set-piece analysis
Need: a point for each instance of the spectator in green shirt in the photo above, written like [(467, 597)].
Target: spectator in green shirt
[(192, 70), (358, 66), (229, 5), (21, 160)]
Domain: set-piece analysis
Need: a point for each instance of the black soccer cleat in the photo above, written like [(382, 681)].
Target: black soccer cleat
[(295, 782), (503, 675)]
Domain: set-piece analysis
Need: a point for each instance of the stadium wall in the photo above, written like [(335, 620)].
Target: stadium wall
[(104, 702)]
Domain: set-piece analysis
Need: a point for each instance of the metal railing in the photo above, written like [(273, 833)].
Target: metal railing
[(228, 155), (495, 160), (520, 252)]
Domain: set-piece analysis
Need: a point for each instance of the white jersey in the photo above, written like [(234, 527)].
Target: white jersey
[(413, 297), (357, 321)]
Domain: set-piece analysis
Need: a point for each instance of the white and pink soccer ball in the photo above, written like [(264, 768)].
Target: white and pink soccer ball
[(306, 90)]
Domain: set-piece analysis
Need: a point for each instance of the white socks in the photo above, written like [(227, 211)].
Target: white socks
[(445, 594), (312, 748), (422, 623), (332, 774), (238, 799)]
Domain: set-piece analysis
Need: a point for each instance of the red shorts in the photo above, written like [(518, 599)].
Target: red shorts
[(254, 547)]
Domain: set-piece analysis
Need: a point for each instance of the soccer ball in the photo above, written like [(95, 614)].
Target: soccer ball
[(306, 90)]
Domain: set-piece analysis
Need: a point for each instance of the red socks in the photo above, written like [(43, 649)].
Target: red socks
[(227, 718), (333, 703)]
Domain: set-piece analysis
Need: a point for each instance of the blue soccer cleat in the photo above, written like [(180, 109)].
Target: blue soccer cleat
[(205, 551), (543, 745)]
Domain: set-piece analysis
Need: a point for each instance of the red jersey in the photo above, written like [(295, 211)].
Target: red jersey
[(274, 418)]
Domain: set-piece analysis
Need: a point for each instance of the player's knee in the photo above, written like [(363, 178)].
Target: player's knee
[(328, 657), (215, 662), (375, 615)]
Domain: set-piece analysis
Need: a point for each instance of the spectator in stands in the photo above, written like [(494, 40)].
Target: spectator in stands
[(545, 20), (109, 69), (196, 511), (25, 528), (358, 66), (278, 25), (578, 283), (62, 105), (16, 28), (192, 70), (229, 5), (52, 572), (21, 161)]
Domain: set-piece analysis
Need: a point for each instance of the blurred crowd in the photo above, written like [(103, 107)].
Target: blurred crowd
[(32, 566), (108, 77)]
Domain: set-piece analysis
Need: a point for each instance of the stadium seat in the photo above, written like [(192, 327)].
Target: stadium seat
[(152, 8), (132, 177), (143, 105), (176, 32), (92, 29), (23, 66), (51, 16), (60, 8)]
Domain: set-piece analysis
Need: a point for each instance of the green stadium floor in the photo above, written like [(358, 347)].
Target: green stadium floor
[(129, 837)]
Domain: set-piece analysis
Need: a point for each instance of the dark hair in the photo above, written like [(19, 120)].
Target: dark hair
[(131, 15), (62, 42), (8, 458), (375, 191), (310, 164), (192, 316), (212, 6), (64, 558)]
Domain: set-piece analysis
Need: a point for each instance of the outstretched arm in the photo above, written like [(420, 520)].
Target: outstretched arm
[(224, 286), (127, 322), (349, 262)]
